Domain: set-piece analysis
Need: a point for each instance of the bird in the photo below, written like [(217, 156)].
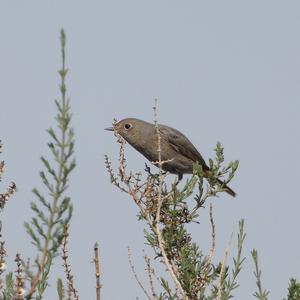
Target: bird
[(178, 154)]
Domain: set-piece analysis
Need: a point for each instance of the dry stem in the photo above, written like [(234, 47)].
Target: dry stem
[(96, 261), (1, 167), (151, 273), (213, 234), (135, 274), (67, 266), (223, 267)]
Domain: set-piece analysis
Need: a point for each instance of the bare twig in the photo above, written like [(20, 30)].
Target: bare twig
[(135, 274), (138, 191), (223, 267), (113, 178), (1, 168), (67, 267), (151, 273), (213, 234), (96, 261)]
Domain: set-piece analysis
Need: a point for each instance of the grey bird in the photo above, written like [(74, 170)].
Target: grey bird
[(176, 149)]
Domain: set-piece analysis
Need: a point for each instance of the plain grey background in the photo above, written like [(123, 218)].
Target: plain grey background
[(224, 71)]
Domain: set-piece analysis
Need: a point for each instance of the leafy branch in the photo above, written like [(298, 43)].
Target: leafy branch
[(167, 211), (260, 294), (54, 211)]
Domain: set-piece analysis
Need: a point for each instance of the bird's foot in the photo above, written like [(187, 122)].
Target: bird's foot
[(176, 182), (153, 175), (148, 170)]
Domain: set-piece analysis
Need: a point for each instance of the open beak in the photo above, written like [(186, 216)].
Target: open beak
[(109, 129)]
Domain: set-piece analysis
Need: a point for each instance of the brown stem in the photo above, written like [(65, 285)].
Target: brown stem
[(136, 276), (96, 260), (41, 266), (67, 266)]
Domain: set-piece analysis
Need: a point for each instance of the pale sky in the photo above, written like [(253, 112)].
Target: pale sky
[(225, 71)]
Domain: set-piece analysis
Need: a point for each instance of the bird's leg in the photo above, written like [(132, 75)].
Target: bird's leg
[(179, 178), (154, 176), (148, 170)]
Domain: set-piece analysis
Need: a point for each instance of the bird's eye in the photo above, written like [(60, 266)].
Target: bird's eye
[(127, 126)]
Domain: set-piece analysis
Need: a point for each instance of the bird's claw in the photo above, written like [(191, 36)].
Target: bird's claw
[(148, 170)]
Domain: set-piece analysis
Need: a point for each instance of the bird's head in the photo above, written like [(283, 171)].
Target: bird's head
[(132, 130)]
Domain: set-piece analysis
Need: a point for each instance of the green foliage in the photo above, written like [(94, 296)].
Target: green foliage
[(53, 209), (60, 289), (198, 276), (260, 294), (293, 290), (8, 291), (230, 283)]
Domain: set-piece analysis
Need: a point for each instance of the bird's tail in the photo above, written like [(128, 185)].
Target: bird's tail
[(227, 189)]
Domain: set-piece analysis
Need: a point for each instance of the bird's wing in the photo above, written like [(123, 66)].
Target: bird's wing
[(181, 144)]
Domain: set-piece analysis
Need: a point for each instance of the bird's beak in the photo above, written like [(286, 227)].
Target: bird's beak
[(109, 129)]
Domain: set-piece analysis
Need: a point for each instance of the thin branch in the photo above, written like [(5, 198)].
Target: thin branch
[(260, 294), (213, 234), (67, 266), (223, 267), (96, 261), (1, 167), (136, 192), (151, 273), (136, 276)]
